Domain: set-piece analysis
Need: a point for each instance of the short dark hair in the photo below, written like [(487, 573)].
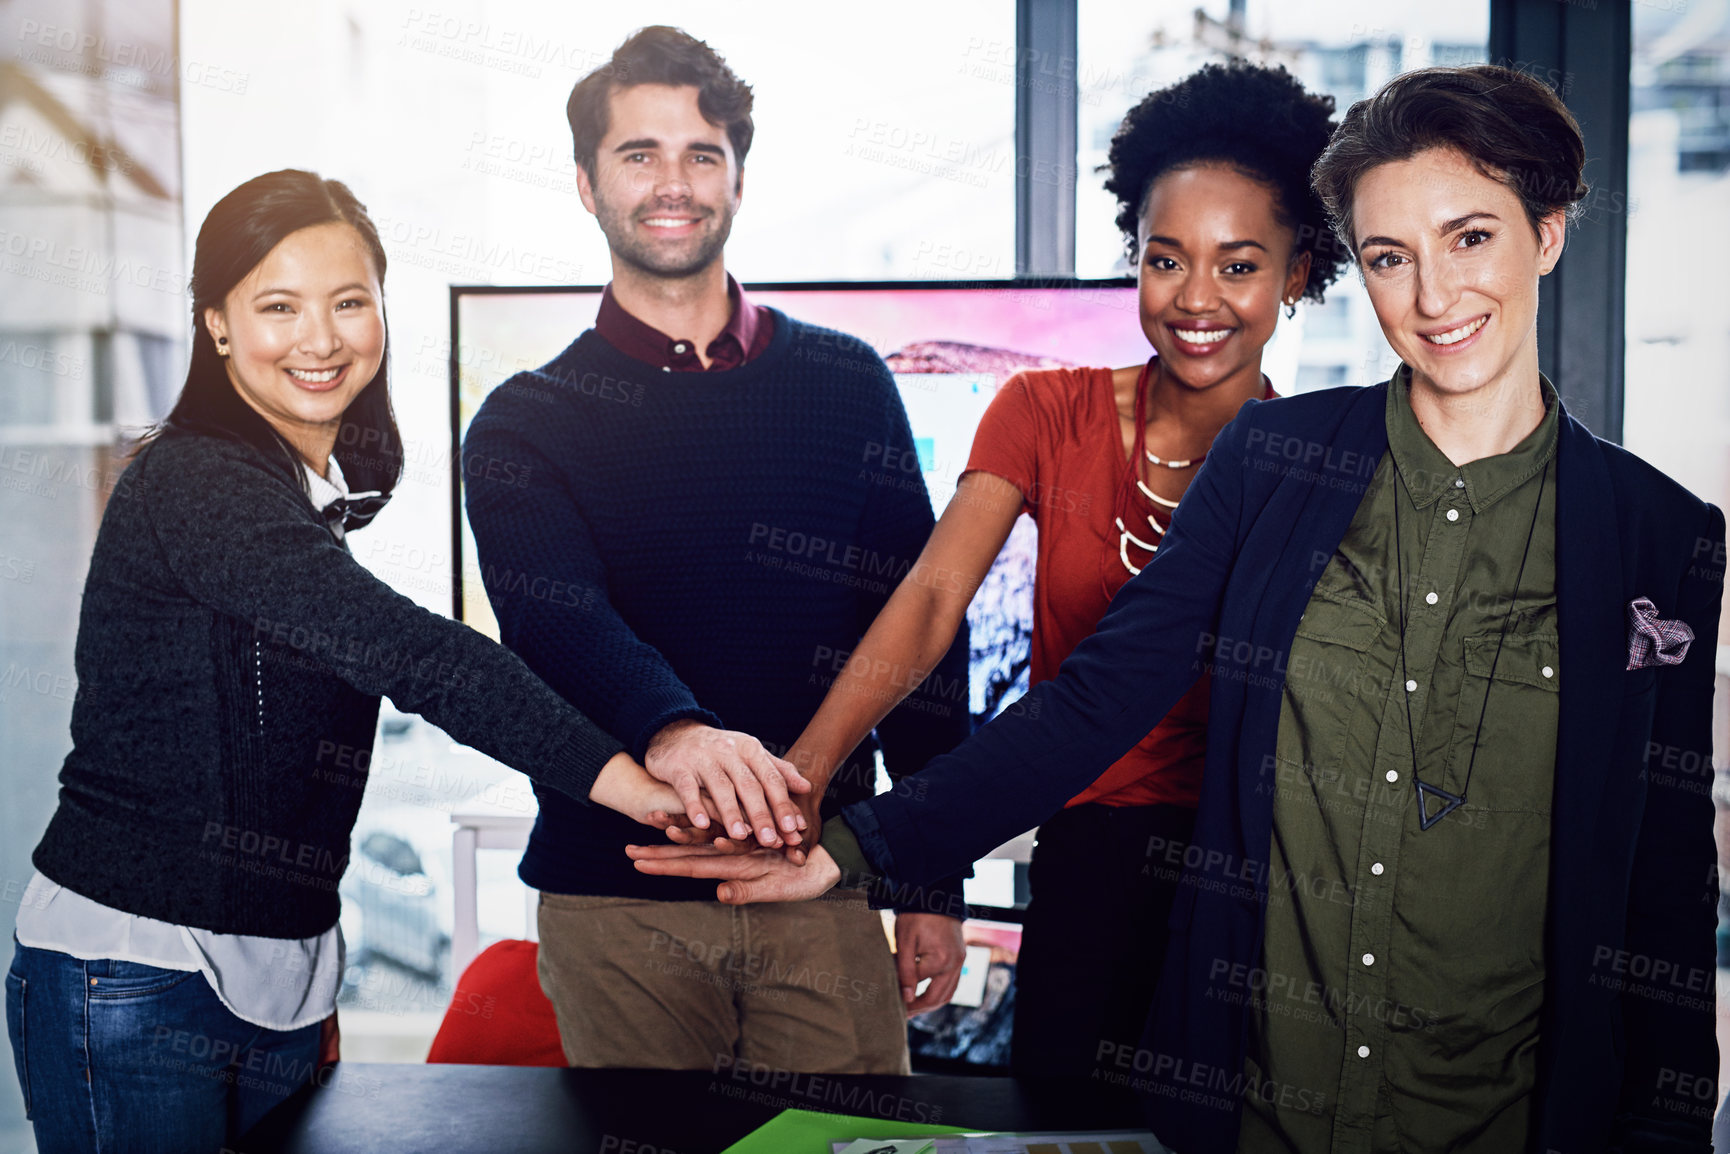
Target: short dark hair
[(1512, 127), (1258, 121), (660, 55), (239, 233)]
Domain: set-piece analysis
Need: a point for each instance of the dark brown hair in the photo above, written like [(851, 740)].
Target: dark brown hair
[(1257, 121), (660, 55), (239, 233), (1511, 126)]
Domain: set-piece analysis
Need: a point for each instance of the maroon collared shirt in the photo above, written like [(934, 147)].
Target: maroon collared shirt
[(745, 338)]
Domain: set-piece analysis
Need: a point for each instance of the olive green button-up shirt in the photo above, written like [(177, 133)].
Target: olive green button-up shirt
[(1397, 1005)]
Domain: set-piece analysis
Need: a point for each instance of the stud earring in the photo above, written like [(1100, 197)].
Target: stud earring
[(222, 346)]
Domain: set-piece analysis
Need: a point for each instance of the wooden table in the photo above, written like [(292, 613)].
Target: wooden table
[(378, 1109)]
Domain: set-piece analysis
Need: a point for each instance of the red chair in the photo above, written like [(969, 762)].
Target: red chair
[(498, 1015)]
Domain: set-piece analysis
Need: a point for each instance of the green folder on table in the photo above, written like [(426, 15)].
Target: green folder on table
[(807, 1132)]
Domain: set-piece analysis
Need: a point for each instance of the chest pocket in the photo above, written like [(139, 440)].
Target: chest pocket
[(1337, 618), (1532, 659), (1516, 757), (1327, 672)]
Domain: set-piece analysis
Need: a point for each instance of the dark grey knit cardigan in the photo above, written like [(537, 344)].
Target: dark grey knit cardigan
[(231, 655)]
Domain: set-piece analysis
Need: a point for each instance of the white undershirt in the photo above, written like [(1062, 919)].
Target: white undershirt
[(277, 983)]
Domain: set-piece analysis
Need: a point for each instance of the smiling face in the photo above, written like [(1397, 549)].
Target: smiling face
[(1216, 265), (665, 183), (305, 334), (1452, 264)]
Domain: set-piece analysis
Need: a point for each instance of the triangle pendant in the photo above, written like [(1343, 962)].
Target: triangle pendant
[(1452, 801)]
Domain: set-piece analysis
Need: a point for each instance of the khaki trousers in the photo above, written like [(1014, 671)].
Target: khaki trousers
[(802, 986)]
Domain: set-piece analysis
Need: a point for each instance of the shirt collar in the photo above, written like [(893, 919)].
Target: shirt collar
[(1426, 470), (742, 328), (641, 341), (325, 489)]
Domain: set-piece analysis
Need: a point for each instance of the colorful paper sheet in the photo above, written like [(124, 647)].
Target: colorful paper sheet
[(807, 1132)]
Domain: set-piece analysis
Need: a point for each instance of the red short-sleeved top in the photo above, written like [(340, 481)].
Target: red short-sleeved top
[(1054, 434)]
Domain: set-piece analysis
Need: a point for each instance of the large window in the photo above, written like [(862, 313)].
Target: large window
[(1678, 314), (1677, 383), (91, 315)]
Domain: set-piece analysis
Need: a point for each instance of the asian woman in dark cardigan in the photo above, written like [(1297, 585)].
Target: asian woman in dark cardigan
[(1446, 892), (177, 958)]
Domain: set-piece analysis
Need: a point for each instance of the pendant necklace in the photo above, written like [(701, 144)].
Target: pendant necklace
[(1126, 536), (1426, 791), (1184, 464)]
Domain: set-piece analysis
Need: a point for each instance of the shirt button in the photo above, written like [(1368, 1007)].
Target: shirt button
[(1376, 869), (680, 348), (1393, 775), (1369, 959), (1548, 672), (1431, 598), (1411, 687), (1363, 1051), (1459, 482), (1453, 514)]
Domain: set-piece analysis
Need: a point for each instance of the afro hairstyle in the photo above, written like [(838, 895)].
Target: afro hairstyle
[(1258, 121)]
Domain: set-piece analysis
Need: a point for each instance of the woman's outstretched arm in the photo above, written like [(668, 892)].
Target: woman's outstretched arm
[(1153, 643), (238, 538)]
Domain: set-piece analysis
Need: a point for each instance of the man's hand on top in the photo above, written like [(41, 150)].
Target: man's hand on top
[(747, 787)]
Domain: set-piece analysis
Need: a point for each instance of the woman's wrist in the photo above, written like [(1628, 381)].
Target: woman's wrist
[(828, 870), (816, 761), (625, 786)]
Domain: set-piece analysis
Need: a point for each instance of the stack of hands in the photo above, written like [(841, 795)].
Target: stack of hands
[(735, 812)]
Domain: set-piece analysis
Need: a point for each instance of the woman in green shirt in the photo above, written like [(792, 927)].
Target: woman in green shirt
[(1451, 886)]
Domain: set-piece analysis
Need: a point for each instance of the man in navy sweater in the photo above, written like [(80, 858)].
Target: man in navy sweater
[(697, 471)]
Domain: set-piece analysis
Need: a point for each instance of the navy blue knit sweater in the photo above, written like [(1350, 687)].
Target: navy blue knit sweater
[(710, 545)]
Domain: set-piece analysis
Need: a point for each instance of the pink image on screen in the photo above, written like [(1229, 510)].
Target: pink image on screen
[(979, 330)]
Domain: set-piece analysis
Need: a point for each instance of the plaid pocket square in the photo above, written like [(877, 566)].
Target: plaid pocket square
[(1654, 640)]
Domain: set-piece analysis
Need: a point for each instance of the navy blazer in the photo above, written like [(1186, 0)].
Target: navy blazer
[(1628, 1057)]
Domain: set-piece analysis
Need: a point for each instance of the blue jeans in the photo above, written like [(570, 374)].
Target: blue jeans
[(121, 1056)]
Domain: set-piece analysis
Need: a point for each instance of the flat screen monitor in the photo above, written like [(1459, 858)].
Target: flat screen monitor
[(950, 346)]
